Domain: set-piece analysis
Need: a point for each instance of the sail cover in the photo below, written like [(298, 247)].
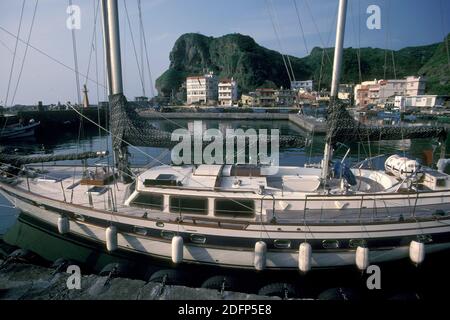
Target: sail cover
[(343, 128)]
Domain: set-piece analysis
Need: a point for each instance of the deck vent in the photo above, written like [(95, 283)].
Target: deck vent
[(161, 180)]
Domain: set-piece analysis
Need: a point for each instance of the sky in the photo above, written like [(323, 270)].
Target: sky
[(403, 23)]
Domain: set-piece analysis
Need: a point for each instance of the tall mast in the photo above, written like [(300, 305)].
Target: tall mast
[(117, 100), (115, 62), (337, 66)]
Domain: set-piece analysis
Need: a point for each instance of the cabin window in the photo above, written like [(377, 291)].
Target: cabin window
[(168, 235), (331, 244), (188, 205), (355, 243), (235, 207), (198, 238), (140, 231), (149, 200)]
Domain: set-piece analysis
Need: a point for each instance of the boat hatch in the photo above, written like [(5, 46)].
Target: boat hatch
[(161, 180), (98, 191)]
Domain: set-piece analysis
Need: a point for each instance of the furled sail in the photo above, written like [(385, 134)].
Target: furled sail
[(19, 160), (343, 128)]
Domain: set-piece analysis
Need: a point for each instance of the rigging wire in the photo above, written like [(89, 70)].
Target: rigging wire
[(25, 54), (134, 48), (48, 55), (75, 59), (150, 77), (277, 22), (278, 39), (14, 55), (318, 31), (300, 25), (6, 46), (444, 33), (93, 45)]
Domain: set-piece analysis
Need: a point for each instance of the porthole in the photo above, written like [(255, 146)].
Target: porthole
[(355, 243), (282, 244), (140, 231), (168, 235), (198, 238), (160, 224), (79, 217), (330, 244), (425, 238)]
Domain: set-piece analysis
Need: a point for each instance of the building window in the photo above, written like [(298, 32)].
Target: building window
[(149, 200), (188, 205)]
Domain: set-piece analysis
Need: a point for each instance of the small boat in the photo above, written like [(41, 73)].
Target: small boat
[(19, 130)]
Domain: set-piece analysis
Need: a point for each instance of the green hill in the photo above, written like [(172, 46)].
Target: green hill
[(239, 56)]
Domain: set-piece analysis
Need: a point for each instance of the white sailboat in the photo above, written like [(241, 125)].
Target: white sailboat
[(235, 215)]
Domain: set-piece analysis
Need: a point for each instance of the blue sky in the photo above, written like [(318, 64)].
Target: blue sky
[(404, 23)]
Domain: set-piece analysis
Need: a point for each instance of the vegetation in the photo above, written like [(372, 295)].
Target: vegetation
[(253, 66)]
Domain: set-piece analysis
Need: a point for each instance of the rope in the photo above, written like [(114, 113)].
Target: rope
[(25, 54)]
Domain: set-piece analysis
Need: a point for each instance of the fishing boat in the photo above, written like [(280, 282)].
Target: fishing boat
[(19, 130), (240, 215)]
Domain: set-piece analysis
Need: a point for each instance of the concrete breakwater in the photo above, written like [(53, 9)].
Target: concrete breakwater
[(308, 124), (30, 282)]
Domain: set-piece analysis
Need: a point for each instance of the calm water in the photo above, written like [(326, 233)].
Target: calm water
[(397, 277)]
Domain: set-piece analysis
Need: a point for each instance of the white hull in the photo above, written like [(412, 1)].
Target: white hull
[(238, 257)]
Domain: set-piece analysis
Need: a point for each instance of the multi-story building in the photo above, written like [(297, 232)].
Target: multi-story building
[(265, 97), (379, 92), (306, 85), (202, 89), (285, 97), (415, 86), (228, 92)]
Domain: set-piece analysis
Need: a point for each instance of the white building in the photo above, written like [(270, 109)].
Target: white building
[(415, 86), (306, 85), (380, 91), (228, 92), (202, 89), (422, 101)]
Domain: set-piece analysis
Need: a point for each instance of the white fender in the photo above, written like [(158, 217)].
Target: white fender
[(111, 238), (260, 255), (362, 258), (177, 249), (63, 225), (417, 252), (304, 257)]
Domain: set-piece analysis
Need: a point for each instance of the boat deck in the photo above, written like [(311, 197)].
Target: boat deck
[(64, 184)]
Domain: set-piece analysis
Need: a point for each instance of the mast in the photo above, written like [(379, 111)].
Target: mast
[(117, 100), (337, 66)]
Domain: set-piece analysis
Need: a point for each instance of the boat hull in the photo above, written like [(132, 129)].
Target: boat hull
[(231, 254)]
